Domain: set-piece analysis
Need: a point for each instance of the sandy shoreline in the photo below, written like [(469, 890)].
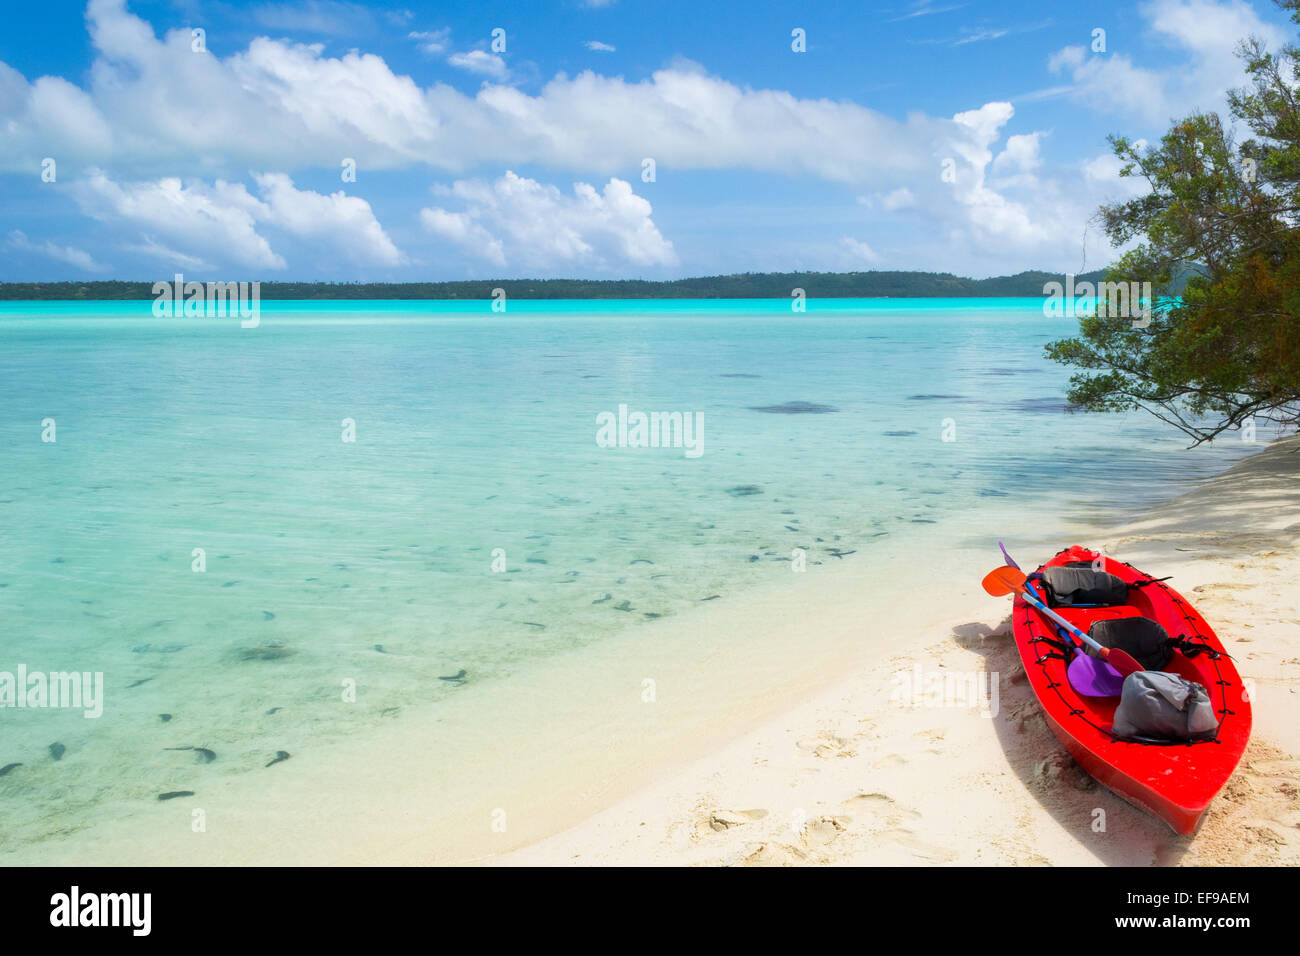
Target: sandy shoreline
[(771, 737), (525, 758), (851, 777)]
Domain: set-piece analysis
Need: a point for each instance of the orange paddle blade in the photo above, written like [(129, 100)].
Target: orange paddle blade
[(1122, 661), (1004, 580)]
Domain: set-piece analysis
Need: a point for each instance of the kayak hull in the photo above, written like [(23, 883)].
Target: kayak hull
[(1175, 782)]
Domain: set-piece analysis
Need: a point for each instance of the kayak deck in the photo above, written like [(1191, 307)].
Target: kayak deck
[(1175, 781)]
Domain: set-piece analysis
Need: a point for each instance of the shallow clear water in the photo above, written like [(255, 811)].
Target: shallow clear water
[(372, 561)]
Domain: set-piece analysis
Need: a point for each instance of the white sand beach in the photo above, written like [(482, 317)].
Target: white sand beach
[(849, 777)]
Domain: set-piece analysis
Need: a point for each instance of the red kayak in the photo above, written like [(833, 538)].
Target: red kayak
[(1174, 781)]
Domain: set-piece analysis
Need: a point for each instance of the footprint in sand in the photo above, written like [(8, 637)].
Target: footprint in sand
[(1267, 834), (721, 820), (1276, 768), (1059, 768), (878, 808), (868, 801), (823, 831), (774, 854), (826, 745), (917, 847), (898, 761)]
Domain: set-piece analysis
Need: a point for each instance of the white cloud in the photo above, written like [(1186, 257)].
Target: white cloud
[(152, 106), (479, 61), (599, 47), (1112, 83), (990, 215), (341, 222), (1019, 155), (1210, 28), (895, 199), (1207, 32), (1102, 173), (219, 223), (464, 231), (519, 221), (925, 9), (986, 121), (154, 250), (859, 250), (69, 254), (1104, 169), (431, 41), (979, 36), (899, 198), (200, 220)]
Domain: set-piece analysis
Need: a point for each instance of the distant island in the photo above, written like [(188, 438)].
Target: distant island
[(748, 285)]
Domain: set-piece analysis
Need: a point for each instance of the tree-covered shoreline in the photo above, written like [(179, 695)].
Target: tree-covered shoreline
[(757, 285)]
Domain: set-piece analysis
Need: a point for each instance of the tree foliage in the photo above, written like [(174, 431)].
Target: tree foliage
[(1222, 215)]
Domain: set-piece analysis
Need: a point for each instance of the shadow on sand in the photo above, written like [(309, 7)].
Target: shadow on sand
[(1056, 782)]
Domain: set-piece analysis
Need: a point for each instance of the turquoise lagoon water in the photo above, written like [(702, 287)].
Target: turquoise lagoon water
[(476, 431)]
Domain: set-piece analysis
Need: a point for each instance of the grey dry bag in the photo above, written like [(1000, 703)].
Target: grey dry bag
[(1159, 707)]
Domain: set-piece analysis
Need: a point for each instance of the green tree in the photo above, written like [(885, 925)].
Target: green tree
[(1221, 216)]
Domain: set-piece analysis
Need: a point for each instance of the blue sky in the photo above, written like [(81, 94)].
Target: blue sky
[(963, 137)]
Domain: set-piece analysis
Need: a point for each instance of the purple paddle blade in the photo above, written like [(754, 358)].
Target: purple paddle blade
[(1093, 677), (1010, 562)]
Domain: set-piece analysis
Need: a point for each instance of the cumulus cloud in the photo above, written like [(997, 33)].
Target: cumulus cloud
[(1018, 163), (198, 219), (149, 106), (1020, 154), (201, 223), (18, 240), (463, 230), (480, 61), (338, 221), (515, 220), (152, 105), (1016, 215)]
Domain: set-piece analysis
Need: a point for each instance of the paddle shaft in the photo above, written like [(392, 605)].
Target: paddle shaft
[(1031, 597), (1049, 613)]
